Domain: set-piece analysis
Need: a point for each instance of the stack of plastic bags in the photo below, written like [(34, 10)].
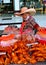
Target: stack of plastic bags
[(41, 35)]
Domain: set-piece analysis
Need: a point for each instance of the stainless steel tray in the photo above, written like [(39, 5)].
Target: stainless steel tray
[(39, 63)]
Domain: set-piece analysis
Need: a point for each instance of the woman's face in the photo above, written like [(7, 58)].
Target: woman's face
[(25, 15)]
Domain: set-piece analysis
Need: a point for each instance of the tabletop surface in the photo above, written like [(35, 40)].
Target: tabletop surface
[(39, 63)]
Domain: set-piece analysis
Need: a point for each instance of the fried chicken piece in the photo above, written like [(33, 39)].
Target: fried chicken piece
[(33, 60), (2, 49), (22, 59), (44, 56), (40, 54), (14, 58), (1, 61), (15, 46), (7, 61), (37, 53), (41, 59), (19, 51), (7, 49), (8, 55)]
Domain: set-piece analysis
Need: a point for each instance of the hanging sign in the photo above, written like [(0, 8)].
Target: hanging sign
[(16, 5)]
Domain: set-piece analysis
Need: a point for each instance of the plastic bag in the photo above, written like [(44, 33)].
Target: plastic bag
[(41, 35)]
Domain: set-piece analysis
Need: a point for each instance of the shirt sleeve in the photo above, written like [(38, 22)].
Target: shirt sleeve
[(33, 23)]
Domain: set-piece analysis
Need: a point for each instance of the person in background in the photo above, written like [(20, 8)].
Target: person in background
[(44, 5), (28, 20)]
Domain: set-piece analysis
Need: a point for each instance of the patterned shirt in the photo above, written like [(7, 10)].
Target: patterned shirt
[(30, 22)]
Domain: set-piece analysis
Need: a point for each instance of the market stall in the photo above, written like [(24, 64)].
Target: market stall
[(22, 48)]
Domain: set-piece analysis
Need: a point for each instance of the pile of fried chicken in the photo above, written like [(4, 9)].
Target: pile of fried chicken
[(20, 53)]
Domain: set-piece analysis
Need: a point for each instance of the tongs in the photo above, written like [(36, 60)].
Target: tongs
[(2, 53), (31, 44)]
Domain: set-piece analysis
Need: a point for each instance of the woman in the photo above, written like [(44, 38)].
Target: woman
[(28, 20)]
